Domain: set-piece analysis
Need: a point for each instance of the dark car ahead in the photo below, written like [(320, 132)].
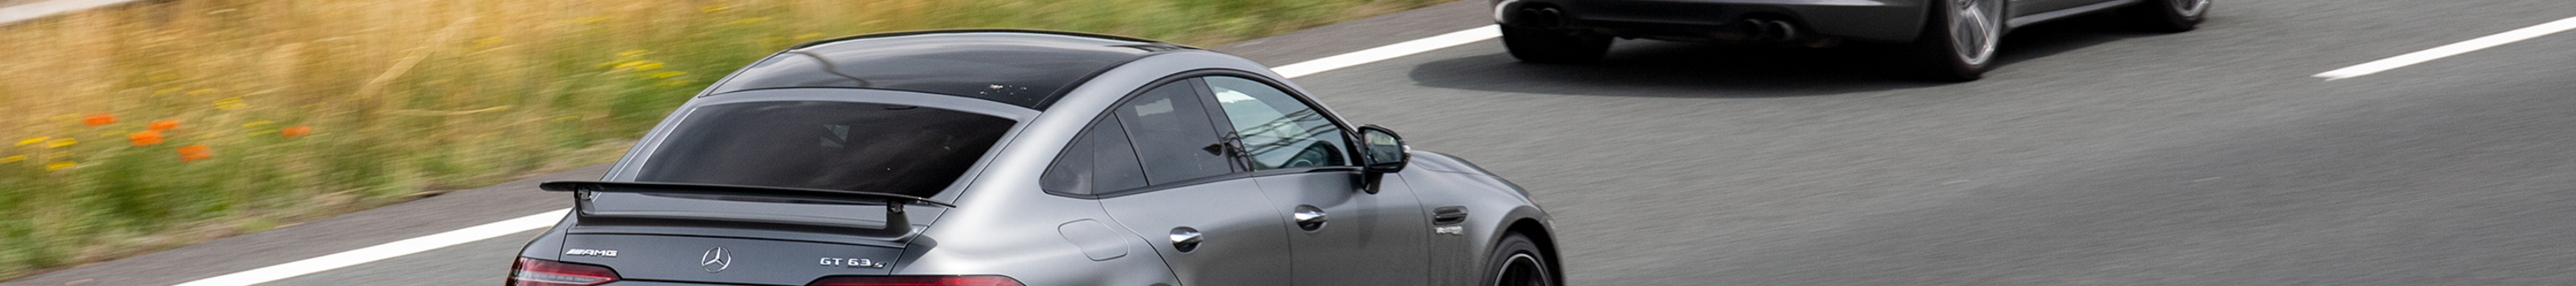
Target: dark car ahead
[(1951, 39), (994, 157)]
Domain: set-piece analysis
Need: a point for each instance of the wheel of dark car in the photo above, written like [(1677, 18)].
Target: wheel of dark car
[(1556, 47), (1959, 39), (2170, 15), (1518, 262)]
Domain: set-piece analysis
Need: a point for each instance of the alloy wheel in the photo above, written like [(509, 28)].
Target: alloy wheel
[(1974, 26), (1524, 270), (2190, 8)]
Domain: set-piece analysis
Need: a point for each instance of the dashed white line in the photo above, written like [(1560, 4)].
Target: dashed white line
[(2473, 45), (549, 218)]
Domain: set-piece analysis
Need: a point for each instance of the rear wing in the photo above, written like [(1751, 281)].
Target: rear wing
[(896, 225)]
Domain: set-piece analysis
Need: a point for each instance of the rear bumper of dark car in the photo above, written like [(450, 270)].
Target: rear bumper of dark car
[(1864, 20)]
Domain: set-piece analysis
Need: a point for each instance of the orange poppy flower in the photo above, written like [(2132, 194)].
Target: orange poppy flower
[(297, 131), (145, 138), (97, 119), (165, 124), (195, 152)]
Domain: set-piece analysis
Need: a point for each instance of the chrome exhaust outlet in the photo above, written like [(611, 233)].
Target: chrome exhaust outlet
[(1766, 30), (1783, 31)]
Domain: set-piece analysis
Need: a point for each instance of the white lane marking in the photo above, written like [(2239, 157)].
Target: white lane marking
[(31, 11), (2473, 45), (383, 251), (549, 218), (1381, 53)]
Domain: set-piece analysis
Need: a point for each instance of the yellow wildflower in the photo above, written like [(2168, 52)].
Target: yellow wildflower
[(633, 53), (13, 159), (59, 143), (630, 64), (713, 8), (809, 36), (60, 165), (648, 65), (230, 103), (568, 118), (33, 140)]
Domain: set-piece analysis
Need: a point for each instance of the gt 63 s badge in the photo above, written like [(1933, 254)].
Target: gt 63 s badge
[(852, 262)]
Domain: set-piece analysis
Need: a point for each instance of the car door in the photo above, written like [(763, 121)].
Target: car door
[(1150, 167), (1301, 157)]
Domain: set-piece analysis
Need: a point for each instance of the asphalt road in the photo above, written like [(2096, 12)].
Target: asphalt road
[(2092, 156)]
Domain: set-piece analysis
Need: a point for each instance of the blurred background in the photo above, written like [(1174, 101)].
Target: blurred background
[(150, 125)]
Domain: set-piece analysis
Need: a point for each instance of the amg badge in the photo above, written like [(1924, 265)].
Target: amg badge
[(852, 262), (591, 252)]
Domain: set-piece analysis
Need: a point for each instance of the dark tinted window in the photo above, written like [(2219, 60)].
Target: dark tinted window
[(866, 147), (1279, 132), (1024, 69), (1101, 160), (1173, 134)]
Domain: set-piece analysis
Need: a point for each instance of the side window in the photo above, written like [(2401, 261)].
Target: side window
[(1173, 135), (1279, 132), (1100, 160)]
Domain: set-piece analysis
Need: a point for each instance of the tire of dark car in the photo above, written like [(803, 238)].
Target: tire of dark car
[(1517, 261), (2170, 16), (1555, 47)]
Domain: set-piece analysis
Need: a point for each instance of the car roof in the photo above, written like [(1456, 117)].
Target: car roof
[(1026, 68)]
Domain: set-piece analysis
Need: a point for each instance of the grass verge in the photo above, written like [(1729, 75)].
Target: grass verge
[(145, 127)]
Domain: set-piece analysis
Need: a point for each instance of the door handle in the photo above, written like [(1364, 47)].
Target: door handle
[(1309, 217), (1185, 239)]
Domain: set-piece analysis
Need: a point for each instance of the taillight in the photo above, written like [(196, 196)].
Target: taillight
[(983, 280), (534, 272)]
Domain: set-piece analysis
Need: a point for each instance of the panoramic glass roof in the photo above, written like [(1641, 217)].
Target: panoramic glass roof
[(1024, 68)]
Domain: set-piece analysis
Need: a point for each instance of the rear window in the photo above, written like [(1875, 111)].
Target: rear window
[(866, 147)]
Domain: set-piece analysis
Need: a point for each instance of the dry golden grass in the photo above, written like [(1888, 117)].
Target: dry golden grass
[(292, 110)]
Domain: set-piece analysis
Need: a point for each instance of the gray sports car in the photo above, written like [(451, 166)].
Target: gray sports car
[(1001, 157), (1953, 39)]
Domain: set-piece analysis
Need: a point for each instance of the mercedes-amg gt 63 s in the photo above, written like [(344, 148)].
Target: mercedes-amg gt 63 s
[(1952, 39), (1002, 157)]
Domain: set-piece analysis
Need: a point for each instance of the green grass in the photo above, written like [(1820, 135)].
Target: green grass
[(407, 97)]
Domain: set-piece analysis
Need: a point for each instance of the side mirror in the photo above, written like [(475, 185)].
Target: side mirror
[(1381, 152)]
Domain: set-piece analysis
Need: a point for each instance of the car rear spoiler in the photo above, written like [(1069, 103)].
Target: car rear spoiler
[(896, 224)]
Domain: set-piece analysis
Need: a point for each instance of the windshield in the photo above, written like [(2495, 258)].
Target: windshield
[(865, 147)]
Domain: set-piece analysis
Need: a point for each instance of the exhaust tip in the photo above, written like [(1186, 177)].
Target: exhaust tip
[(1768, 30), (1783, 30), (1542, 17)]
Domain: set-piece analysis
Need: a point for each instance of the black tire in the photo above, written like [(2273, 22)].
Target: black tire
[(1554, 47), (1944, 55), (2169, 16), (1517, 261)]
